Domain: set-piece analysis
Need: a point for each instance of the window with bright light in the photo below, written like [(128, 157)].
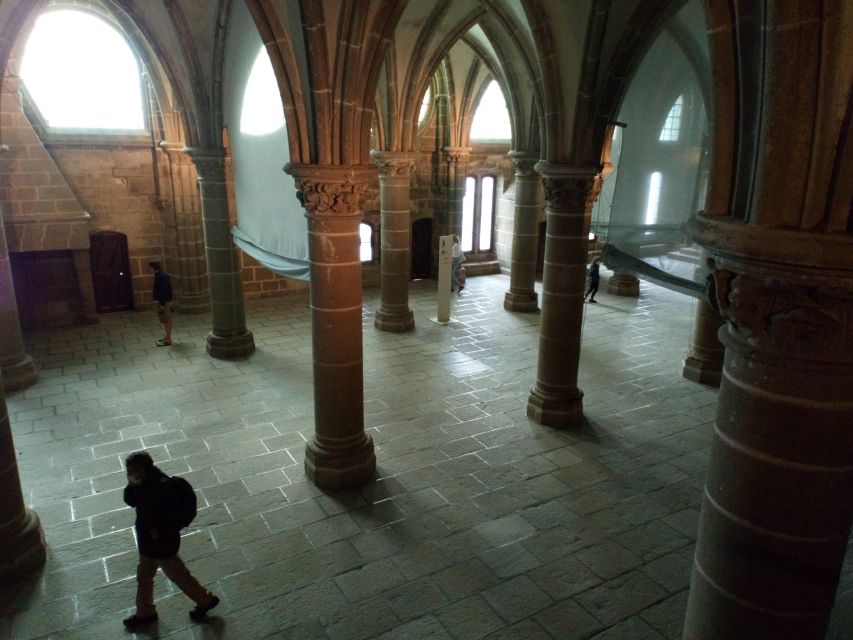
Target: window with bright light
[(478, 215), (365, 233), (261, 113), (491, 119), (671, 130), (82, 74), (653, 201), (424, 111)]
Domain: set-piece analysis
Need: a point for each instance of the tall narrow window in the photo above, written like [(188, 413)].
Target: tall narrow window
[(478, 216), (671, 130), (424, 111), (261, 113), (82, 74), (365, 234), (491, 119), (653, 201)]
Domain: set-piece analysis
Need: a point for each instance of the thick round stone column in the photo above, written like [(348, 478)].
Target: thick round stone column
[(18, 369), (624, 284), (704, 361), (555, 399), (23, 548), (340, 454), (228, 337), (395, 172), (525, 235), (191, 290), (778, 501), (456, 159)]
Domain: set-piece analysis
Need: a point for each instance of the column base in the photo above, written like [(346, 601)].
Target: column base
[(19, 375), (23, 551), (556, 411), (193, 304), (340, 468), (702, 371), (624, 284), (229, 347), (394, 322), (521, 302)]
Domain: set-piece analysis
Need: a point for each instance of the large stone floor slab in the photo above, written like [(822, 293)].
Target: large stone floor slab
[(480, 523)]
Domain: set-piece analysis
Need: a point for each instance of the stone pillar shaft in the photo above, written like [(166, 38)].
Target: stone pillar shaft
[(704, 361), (555, 399), (525, 235), (228, 337), (624, 284), (23, 548), (395, 170), (192, 292), (18, 369), (777, 509), (456, 159), (340, 454)]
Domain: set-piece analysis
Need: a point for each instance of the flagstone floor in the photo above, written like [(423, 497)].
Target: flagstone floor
[(480, 524)]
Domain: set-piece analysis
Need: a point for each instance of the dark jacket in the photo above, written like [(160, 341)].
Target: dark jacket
[(593, 272), (154, 500), (162, 287)]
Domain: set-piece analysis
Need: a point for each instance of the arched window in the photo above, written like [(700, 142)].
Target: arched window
[(671, 130), (478, 215), (491, 119), (424, 111), (365, 233), (82, 74), (261, 113)]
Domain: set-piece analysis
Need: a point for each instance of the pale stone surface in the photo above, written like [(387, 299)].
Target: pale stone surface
[(503, 541)]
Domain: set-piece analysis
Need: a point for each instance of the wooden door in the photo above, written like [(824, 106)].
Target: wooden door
[(111, 271), (421, 248)]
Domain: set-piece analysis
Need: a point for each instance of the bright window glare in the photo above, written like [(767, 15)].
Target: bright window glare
[(653, 201), (261, 113), (365, 234), (491, 120), (82, 74), (468, 214), (422, 114), (671, 129)]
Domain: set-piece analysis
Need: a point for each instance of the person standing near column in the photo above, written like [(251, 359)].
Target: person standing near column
[(594, 277), (458, 259), (163, 296), (158, 504)]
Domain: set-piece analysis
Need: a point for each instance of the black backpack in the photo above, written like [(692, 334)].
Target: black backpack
[(185, 504)]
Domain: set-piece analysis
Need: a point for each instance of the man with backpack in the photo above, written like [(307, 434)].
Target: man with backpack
[(163, 506)]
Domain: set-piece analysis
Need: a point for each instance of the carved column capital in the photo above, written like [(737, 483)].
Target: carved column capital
[(569, 187), (394, 164), (795, 314), (331, 190), (456, 155), (209, 163), (524, 163)]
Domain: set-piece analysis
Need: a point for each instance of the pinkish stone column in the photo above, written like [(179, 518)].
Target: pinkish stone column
[(340, 454), (570, 191), (395, 173), (525, 235), (624, 284), (229, 337), (704, 361), (18, 369)]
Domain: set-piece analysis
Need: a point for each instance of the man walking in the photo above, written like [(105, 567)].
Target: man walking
[(594, 277), (163, 297), (155, 497)]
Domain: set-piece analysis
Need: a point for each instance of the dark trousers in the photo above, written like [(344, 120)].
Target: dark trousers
[(593, 289)]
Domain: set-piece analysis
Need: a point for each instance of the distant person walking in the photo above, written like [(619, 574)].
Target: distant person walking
[(458, 259), (594, 277), (163, 297), (163, 506)]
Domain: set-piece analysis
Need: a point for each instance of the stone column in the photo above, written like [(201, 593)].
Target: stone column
[(18, 368), (229, 337), (395, 171), (340, 454), (555, 399), (525, 235), (23, 548), (456, 159), (624, 284), (191, 290), (704, 361), (777, 509)]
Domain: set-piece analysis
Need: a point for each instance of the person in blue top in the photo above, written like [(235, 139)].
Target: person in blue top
[(594, 277), (163, 297)]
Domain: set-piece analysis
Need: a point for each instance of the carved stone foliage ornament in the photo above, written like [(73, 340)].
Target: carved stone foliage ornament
[(331, 198), (569, 193), (209, 166), (524, 166), (794, 318), (395, 168)]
